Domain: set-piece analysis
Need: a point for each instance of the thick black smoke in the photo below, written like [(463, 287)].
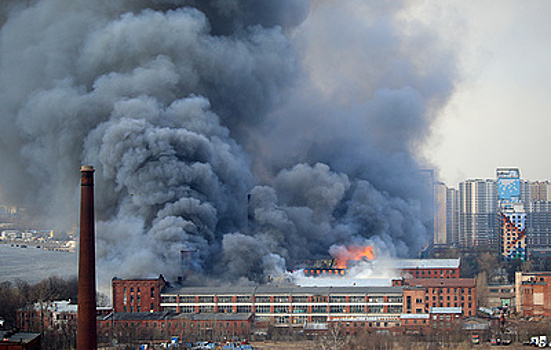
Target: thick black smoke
[(258, 132)]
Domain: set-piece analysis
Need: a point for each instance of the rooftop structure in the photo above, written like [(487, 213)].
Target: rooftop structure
[(19, 340), (427, 263)]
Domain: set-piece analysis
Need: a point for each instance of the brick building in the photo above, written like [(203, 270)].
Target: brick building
[(412, 268), (429, 268), (51, 315), (533, 293), (165, 324), (47, 315), (137, 295), (443, 292), (154, 309), (289, 306)]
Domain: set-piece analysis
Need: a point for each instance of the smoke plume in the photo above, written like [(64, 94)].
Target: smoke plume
[(258, 132)]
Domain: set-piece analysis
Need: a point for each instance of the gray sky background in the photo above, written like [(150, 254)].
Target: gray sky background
[(499, 115)]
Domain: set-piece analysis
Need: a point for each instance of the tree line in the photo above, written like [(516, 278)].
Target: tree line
[(19, 294)]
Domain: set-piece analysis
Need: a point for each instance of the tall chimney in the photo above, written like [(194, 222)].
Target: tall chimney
[(86, 317)]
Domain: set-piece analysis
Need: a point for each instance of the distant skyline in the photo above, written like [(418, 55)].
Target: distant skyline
[(499, 114)]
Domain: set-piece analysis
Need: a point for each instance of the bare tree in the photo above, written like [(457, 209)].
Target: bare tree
[(334, 338)]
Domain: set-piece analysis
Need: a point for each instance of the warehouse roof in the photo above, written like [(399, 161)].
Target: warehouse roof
[(18, 337), (287, 289), (136, 316), (427, 263)]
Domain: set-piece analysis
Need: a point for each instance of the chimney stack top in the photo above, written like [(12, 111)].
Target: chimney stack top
[(87, 168)]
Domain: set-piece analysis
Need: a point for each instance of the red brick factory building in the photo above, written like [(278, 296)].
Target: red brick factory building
[(533, 293), (429, 295)]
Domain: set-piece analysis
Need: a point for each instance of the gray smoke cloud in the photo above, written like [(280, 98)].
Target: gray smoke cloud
[(258, 132)]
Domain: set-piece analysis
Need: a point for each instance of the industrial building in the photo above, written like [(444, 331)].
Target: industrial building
[(137, 295), (429, 292), (533, 293), (419, 268), (429, 268), (426, 295)]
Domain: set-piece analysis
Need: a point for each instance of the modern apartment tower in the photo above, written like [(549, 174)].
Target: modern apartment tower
[(440, 214), (538, 231), (446, 216), (505, 214), (478, 213)]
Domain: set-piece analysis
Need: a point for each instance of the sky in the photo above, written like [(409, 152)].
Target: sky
[(499, 114)]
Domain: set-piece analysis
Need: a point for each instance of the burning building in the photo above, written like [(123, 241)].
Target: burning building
[(343, 257), (437, 296), (427, 287), (153, 306), (346, 258)]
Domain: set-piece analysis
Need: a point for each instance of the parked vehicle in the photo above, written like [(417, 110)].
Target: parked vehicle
[(539, 341)]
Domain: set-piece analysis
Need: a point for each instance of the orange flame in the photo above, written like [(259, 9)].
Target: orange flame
[(352, 253)]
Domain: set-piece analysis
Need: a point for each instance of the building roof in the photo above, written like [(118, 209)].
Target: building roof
[(445, 310), (286, 289), (297, 290), (475, 324), (224, 290), (427, 263), (140, 279), (18, 337), (135, 316)]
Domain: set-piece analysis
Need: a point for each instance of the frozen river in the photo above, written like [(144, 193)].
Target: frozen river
[(33, 264)]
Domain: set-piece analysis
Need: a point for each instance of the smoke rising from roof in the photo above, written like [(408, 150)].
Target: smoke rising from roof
[(258, 132)]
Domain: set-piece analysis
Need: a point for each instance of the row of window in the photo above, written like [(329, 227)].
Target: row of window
[(448, 298), (266, 309), (431, 272), (186, 299), (470, 305), (449, 290), (151, 291)]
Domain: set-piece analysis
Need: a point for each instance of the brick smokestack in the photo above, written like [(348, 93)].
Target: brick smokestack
[(86, 317)]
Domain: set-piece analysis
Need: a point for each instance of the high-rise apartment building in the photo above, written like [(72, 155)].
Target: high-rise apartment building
[(536, 197), (440, 214), (512, 216), (478, 213), (506, 214), (445, 216), (452, 217), (539, 191), (538, 232)]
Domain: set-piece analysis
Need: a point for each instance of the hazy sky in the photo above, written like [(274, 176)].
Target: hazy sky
[(499, 115)]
